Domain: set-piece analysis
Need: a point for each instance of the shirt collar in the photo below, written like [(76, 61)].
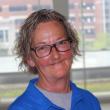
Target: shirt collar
[(77, 95), (36, 94)]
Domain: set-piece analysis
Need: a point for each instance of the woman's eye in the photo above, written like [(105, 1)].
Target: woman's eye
[(43, 48), (40, 48), (62, 42)]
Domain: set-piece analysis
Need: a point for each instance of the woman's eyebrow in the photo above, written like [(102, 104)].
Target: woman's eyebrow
[(45, 43), (40, 43)]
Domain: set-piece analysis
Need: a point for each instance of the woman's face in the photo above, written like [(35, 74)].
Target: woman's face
[(57, 64)]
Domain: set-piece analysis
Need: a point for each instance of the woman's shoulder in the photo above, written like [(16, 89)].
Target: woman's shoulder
[(27, 98), (23, 100), (82, 91), (85, 96), (18, 103)]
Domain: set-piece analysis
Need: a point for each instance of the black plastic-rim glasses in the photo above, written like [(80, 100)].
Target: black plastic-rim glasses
[(44, 50)]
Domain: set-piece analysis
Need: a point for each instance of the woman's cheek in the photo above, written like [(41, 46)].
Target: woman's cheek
[(67, 55), (48, 60), (43, 62)]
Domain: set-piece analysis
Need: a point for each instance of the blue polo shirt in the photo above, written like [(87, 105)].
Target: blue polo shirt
[(34, 99)]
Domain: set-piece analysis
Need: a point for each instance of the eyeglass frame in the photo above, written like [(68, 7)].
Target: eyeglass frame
[(51, 46)]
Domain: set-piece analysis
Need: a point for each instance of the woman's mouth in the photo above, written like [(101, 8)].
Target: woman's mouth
[(57, 62)]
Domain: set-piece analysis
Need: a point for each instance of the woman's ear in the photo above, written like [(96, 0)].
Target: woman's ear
[(30, 61)]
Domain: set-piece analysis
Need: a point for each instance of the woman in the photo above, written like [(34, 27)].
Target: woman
[(47, 46)]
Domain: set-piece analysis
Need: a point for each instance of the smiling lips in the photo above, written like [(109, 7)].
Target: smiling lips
[(57, 62)]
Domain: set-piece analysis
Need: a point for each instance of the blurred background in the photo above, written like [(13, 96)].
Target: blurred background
[(91, 19)]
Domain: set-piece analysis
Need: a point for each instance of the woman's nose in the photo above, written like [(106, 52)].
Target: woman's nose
[(55, 53)]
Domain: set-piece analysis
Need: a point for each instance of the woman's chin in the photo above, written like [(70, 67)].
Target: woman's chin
[(57, 70), (59, 73)]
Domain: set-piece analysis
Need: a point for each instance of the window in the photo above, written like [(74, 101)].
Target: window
[(45, 6), (17, 34), (18, 8), (91, 70), (94, 35), (35, 7), (72, 18), (108, 27), (88, 19), (107, 11), (19, 21), (3, 36), (71, 6), (107, 3), (87, 6), (89, 32), (0, 9)]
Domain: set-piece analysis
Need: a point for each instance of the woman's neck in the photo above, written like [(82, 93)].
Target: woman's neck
[(59, 85)]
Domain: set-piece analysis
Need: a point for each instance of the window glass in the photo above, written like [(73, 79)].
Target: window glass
[(0, 9), (91, 69), (12, 15), (90, 18), (16, 8), (1, 36), (35, 7)]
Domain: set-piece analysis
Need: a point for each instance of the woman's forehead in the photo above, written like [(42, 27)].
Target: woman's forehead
[(48, 32)]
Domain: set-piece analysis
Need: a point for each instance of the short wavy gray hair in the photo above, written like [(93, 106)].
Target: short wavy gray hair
[(22, 47)]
